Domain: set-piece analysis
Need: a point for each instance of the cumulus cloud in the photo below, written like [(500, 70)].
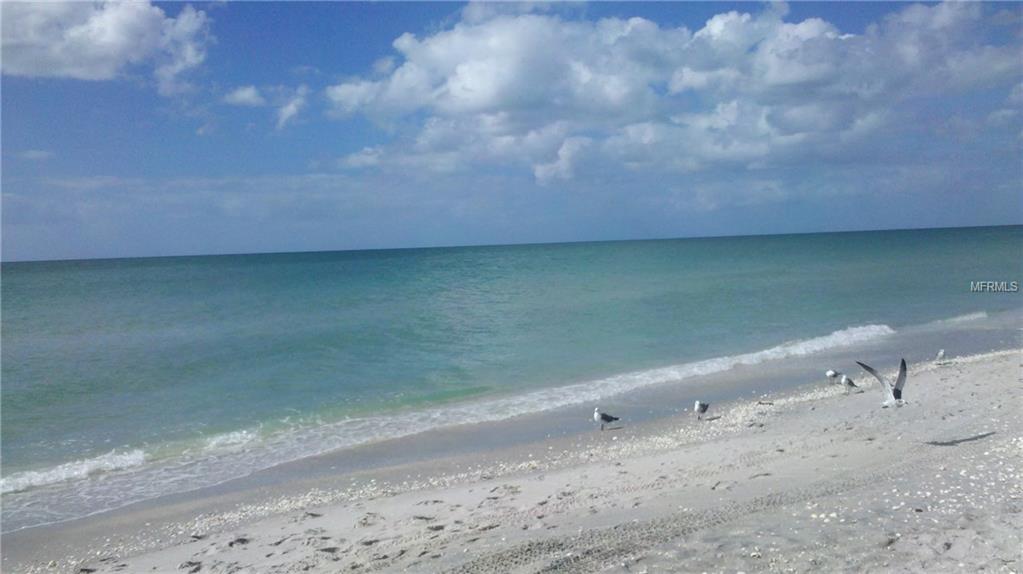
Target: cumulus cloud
[(745, 91), (100, 41), (515, 64), (563, 166), (245, 96), (290, 109), (287, 102)]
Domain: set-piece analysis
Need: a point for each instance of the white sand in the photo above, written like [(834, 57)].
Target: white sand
[(818, 481)]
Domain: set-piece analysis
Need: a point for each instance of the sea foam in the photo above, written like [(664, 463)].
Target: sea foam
[(112, 460), (237, 454), (963, 318), (234, 439)]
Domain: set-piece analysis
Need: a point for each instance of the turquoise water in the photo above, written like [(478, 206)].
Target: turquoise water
[(164, 374)]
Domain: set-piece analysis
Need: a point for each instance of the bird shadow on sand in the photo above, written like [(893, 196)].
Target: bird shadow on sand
[(708, 419), (959, 441), (619, 427)]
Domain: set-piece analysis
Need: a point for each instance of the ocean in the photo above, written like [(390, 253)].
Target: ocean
[(127, 379)]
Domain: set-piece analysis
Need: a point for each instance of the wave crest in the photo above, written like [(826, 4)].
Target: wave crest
[(231, 439), (549, 399), (236, 454), (112, 460), (965, 318)]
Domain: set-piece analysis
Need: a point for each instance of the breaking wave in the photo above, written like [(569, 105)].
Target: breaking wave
[(132, 476)]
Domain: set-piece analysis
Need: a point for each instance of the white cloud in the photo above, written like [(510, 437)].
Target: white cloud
[(352, 96), (687, 78), (514, 63), (1016, 95), (745, 90), (1001, 117), (383, 66), (287, 101), (563, 167), (289, 111), (366, 157), (100, 41), (481, 10), (245, 96), (36, 155), (183, 47)]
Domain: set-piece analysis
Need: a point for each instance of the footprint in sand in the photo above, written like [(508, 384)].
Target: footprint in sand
[(370, 519)]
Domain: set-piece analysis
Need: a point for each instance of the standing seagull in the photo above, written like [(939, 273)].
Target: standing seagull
[(892, 393), (832, 374), (602, 418), (940, 358), (848, 383), (700, 408)]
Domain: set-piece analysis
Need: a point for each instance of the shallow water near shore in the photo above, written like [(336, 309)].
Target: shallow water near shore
[(769, 454), (126, 380)]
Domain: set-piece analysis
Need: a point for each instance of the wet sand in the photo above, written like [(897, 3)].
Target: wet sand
[(800, 481)]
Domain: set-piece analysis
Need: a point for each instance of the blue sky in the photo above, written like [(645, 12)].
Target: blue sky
[(162, 129)]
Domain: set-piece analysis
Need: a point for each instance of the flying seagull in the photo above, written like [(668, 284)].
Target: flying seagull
[(892, 393), (700, 408), (602, 418)]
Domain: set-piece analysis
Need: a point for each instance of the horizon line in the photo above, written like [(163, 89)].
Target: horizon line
[(512, 244)]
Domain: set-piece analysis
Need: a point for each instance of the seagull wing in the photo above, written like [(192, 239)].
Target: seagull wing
[(886, 387), (901, 381)]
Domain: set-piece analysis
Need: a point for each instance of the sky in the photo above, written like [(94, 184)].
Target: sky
[(171, 128)]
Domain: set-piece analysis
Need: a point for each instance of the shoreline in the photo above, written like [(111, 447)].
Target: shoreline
[(160, 531), (778, 367)]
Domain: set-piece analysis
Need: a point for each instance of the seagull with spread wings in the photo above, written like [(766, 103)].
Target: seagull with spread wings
[(892, 392)]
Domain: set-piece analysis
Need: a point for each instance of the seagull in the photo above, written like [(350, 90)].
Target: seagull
[(700, 408), (832, 374), (848, 383), (940, 356), (602, 418), (892, 393)]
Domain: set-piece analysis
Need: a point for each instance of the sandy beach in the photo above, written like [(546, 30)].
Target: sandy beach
[(809, 480), (346, 287)]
